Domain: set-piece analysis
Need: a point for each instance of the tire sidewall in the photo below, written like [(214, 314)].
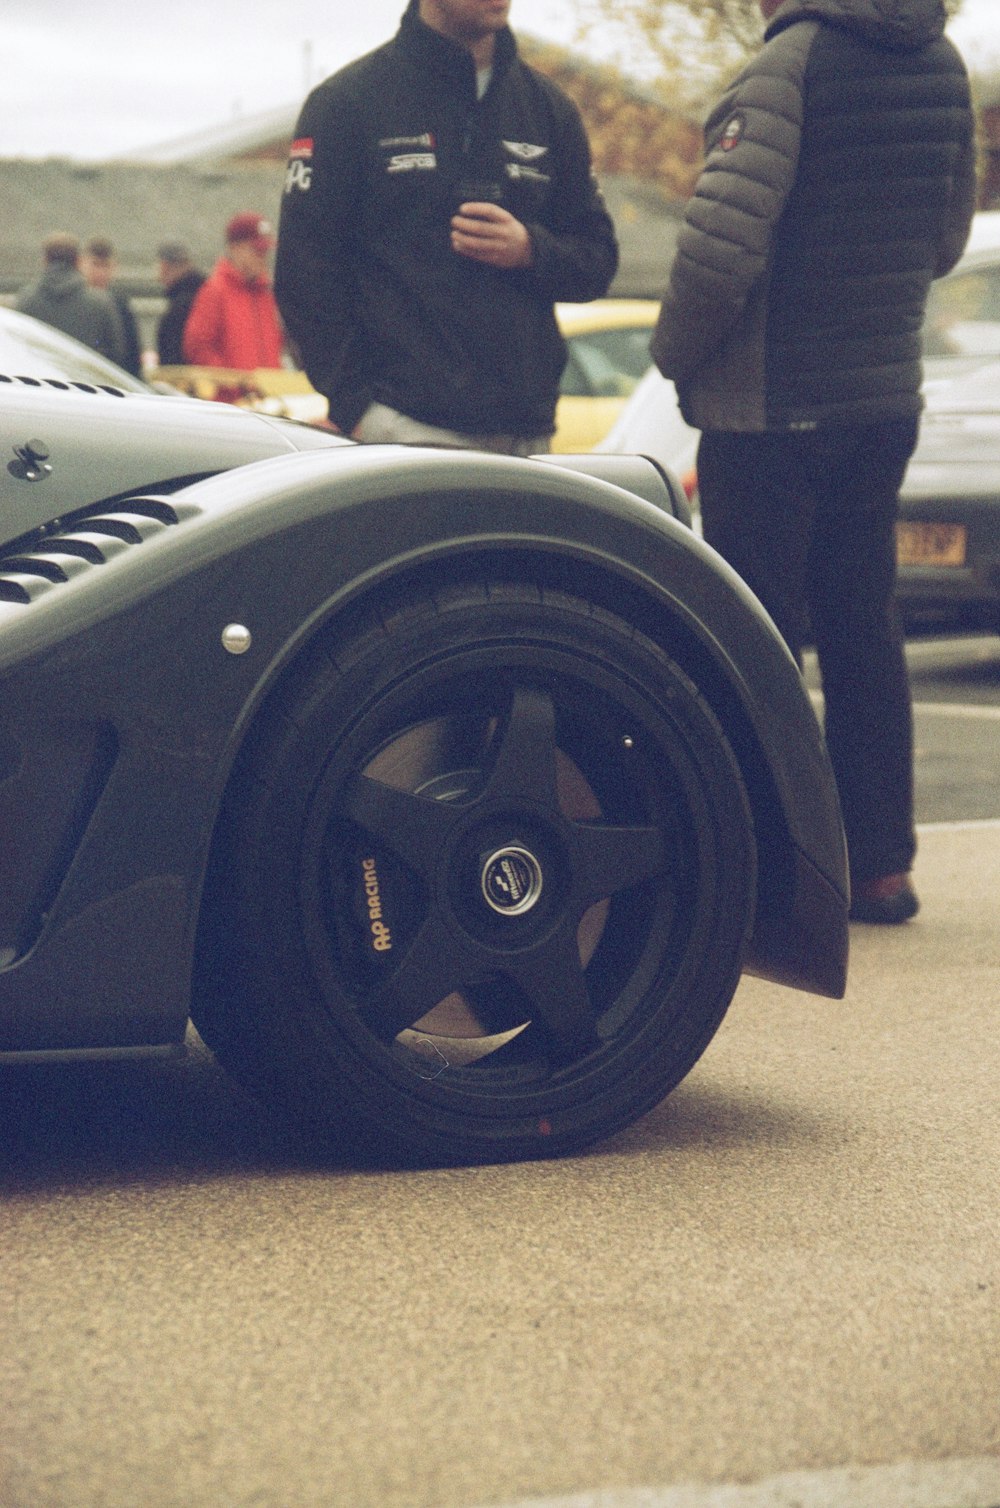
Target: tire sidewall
[(321, 1063)]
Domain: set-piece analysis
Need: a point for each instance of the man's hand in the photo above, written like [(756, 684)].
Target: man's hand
[(488, 233)]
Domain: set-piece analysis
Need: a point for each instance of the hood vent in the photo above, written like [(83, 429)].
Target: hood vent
[(62, 386), (91, 540)]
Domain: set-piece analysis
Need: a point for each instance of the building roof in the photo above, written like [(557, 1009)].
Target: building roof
[(246, 138)]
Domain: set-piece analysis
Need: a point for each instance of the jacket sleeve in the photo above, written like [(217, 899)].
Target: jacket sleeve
[(753, 141), (575, 250), (314, 282), (203, 329)]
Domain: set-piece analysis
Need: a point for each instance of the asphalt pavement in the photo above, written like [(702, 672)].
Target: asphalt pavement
[(782, 1282)]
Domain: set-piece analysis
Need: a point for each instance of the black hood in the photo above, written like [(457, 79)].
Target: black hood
[(902, 25)]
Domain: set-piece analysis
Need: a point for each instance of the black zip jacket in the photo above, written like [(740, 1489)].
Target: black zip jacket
[(170, 331), (377, 302)]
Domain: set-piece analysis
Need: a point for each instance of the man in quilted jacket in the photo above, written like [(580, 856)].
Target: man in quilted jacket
[(838, 182)]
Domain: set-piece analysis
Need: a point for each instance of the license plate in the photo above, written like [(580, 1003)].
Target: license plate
[(930, 544)]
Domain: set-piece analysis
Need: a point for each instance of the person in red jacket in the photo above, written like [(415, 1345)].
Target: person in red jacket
[(234, 320)]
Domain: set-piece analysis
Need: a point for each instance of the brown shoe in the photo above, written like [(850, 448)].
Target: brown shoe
[(887, 900)]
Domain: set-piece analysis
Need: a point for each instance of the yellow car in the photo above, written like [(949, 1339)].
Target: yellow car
[(281, 391), (608, 344)]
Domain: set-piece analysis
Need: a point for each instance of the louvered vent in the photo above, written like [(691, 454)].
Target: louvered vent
[(62, 386), (91, 540)]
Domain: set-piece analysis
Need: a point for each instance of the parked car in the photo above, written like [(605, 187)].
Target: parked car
[(963, 310), (608, 352), (948, 534), (448, 793)]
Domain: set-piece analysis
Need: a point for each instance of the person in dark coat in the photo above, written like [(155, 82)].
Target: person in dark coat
[(181, 280), (62, 298), (839, 180), (439, 199), (99, 266)]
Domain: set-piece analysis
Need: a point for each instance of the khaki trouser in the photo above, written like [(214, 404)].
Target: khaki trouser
[(381, 425)]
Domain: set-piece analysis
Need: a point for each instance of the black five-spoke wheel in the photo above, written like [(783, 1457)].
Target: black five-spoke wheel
[(482, 881)]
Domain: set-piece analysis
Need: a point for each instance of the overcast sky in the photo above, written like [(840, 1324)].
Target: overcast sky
[(107, 77)]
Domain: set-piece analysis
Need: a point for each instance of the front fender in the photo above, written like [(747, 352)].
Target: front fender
[(124, 709)]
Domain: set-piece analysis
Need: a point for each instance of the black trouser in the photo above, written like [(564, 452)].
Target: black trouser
[(808, 521)]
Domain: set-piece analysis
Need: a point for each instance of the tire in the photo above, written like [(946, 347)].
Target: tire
[(481, 884)]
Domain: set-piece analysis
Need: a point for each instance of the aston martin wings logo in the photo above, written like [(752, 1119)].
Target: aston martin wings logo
[(524, 151)]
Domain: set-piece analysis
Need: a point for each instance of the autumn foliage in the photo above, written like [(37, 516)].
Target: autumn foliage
[(632, 133)]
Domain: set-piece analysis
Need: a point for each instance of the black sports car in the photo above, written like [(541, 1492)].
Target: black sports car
[(449, 794)]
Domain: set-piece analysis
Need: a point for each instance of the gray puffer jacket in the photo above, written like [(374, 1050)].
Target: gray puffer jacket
[(839, 180)]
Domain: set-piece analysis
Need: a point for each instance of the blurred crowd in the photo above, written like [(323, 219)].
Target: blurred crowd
[(226, 318)]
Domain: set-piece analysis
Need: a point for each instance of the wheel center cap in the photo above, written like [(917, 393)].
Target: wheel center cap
[(511, 879)]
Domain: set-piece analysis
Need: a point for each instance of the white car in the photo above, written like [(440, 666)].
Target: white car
[(651, 424), (963, 311)]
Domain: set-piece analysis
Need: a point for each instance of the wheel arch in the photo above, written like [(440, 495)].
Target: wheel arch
[(790, 857), (290, 547), (286, 1001)]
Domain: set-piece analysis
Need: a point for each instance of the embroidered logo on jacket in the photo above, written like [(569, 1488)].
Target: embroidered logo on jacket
[(299, 172), (525, 151), (393, 143), (410, 162), (521, 172), (732, 133)]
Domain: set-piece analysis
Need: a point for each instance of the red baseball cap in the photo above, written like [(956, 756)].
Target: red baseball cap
[(253, 228)]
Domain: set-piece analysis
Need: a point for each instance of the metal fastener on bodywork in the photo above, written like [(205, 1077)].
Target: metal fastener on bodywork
[(236, 639)]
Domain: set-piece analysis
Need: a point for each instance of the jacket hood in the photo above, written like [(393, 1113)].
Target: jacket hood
[(902, 25), (60, 281)]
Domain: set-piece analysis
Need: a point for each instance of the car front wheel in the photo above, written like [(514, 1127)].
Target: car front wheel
[(481, 883)]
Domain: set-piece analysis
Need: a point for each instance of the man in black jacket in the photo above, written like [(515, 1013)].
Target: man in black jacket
[(181, 280), (838, 181), (439, 200)]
